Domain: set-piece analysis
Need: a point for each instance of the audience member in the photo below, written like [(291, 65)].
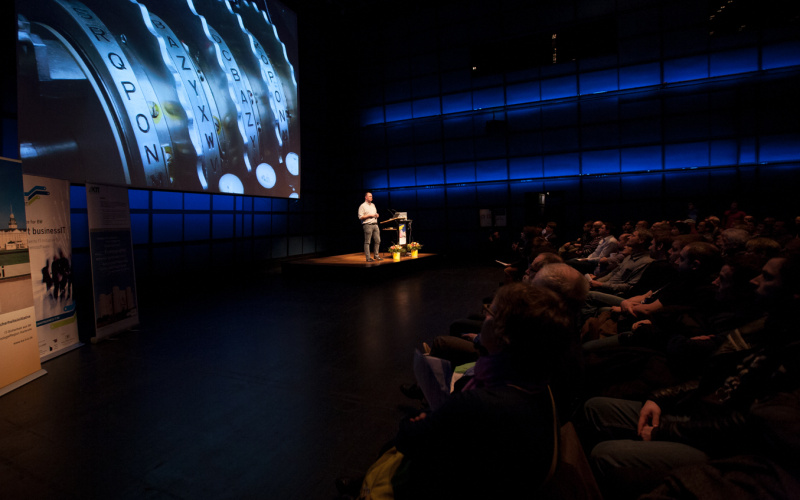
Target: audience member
[(690, 424), (503, 421)]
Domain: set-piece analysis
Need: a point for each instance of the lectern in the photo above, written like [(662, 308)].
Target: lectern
[(402, 224)]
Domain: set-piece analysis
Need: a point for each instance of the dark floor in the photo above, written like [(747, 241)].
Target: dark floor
[(267, 386)]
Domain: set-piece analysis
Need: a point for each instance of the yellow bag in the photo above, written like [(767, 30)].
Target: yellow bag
[(377, 483)]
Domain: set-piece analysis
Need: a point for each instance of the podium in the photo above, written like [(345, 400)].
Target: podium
[(403, 227)]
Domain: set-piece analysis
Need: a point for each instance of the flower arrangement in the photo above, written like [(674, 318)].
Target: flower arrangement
[(397, 249), (414, 246)]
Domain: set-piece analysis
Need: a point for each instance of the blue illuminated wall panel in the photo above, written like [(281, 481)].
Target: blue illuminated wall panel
[(455, 103), (222, 202), (137, 198), (426, 107), (600, 162), (493, 170), (690, 155), (734, 61), (376, 179), (687, 68), (724, 153), (641, 75), (641, 159), (402, 177), (168, 200), (77, 197), (167, 228), (140, 229), (599, 81), (555, 88), (488, 98), (460, 172), (401, 200), (197, 201), (562, 165), (781, 55), (398, 111), (523, 93), (525, 168), (197, 227), (779, 148), (430, 174)]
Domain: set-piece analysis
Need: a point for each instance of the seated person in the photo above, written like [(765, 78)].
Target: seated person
[(503, 420), (708, 418), (624, 277), (607, 245), (607, 264)]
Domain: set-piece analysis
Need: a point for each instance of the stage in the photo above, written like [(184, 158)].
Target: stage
[(355, 264)]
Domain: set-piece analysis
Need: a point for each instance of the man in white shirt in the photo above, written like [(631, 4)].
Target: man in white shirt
[(368, 215), (607, 245)]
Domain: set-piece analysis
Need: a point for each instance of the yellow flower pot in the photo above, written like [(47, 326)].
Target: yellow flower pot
[(396, 256), (414, 254)]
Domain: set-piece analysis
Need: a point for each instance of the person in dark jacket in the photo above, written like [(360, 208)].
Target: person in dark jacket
[(703, 419)]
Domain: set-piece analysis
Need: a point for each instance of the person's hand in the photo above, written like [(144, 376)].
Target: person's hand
[(616, 309), (469, 336), (647, 433), (638, 324), (649, 416), (703, 337), (626, 306), (595, 284), (418, 417)]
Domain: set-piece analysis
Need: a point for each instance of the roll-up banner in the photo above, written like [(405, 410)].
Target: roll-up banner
[(113, 276), (50, 249), (19, 354)]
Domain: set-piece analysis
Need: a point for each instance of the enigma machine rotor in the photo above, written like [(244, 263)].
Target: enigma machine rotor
[(189, 95)]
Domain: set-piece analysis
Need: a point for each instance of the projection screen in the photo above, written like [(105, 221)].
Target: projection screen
[(187, 95)]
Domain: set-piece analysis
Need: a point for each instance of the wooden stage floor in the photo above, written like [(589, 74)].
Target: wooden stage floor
[(356, 264)]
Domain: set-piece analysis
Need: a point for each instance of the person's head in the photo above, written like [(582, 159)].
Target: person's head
[(660, 246), (623, 239), (701, 258), (539, 262), (642, 224), (530, 323), (779, 281), (596, 226), (566, 281), (628, 227), (674, 251), (733, 240), (368, 197), (640, 240), (607, 229), (550, 228), (762, 247), (735, 276)]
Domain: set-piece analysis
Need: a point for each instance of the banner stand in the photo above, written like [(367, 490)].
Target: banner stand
[(62, 351), (24, 380)]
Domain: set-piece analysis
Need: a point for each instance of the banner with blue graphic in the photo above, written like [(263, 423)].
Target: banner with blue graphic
[(50, 249)]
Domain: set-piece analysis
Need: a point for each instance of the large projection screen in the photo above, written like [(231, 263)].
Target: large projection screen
[(187, 95)]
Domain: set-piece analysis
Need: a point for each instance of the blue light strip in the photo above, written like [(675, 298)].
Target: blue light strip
[(695, 69)]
